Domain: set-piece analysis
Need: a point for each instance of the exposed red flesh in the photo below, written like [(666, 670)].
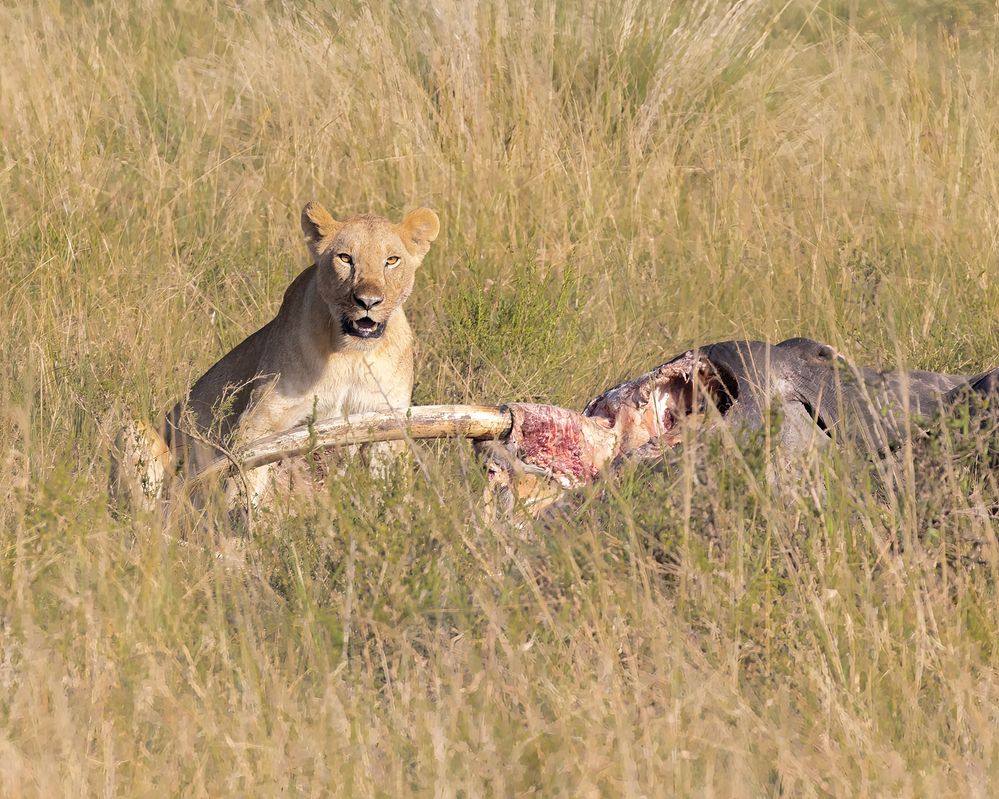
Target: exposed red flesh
[(567, 444), (634, 419)]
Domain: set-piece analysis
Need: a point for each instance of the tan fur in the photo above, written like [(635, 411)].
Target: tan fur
[(140, 464), (303, 364)]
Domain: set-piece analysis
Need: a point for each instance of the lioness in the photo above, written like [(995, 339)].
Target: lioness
[(340, 344)]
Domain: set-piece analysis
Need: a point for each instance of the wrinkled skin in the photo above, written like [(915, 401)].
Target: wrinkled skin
[(822, 399)]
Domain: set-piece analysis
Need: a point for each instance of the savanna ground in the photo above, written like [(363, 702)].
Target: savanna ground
[(617, 181)]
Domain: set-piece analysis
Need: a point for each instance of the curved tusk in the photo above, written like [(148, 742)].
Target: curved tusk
[(478, 422)]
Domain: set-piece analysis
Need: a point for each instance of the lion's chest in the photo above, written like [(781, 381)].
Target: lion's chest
[(347, 385), (359, 386)]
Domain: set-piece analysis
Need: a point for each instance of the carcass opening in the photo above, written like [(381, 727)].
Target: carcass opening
[(703, 386), (636, 420), (650, 408)]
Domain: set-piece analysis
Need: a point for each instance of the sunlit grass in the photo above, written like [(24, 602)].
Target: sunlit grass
[(616, 182)]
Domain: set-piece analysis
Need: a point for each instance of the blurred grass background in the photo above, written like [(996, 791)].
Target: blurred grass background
[(617, 182)]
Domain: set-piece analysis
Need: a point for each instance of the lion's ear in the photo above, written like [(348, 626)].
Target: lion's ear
[(418, 229), (319, 227)]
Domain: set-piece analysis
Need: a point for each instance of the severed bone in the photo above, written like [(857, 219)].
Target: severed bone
[(475, 422)]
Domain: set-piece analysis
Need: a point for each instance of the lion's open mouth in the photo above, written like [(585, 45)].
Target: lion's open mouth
[(365, 327)]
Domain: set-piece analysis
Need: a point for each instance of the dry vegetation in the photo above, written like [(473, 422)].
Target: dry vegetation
[(617, 181)]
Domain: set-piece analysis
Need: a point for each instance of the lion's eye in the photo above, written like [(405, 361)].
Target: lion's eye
[(345, 258), (391, 261)]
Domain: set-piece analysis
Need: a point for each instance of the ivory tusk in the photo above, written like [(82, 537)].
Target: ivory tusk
[(478, 422)]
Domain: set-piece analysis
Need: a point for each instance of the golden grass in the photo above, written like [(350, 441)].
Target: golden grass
[(617, 181)]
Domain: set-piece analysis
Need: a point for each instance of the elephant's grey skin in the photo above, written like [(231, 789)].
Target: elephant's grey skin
[(864, 405), (818, 391)]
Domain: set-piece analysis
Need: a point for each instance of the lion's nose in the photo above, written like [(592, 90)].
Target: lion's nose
[(367, 300)]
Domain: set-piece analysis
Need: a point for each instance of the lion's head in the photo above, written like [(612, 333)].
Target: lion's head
[(366, 265)]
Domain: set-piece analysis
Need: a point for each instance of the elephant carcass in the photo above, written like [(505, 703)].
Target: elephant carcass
[(821, 398)]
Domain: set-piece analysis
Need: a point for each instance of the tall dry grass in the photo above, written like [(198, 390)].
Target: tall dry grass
[(617, 181)]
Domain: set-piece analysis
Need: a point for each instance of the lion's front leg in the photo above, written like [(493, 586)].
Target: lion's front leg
[(249, 489), (253, 488), (141, 462), (383, 457)]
